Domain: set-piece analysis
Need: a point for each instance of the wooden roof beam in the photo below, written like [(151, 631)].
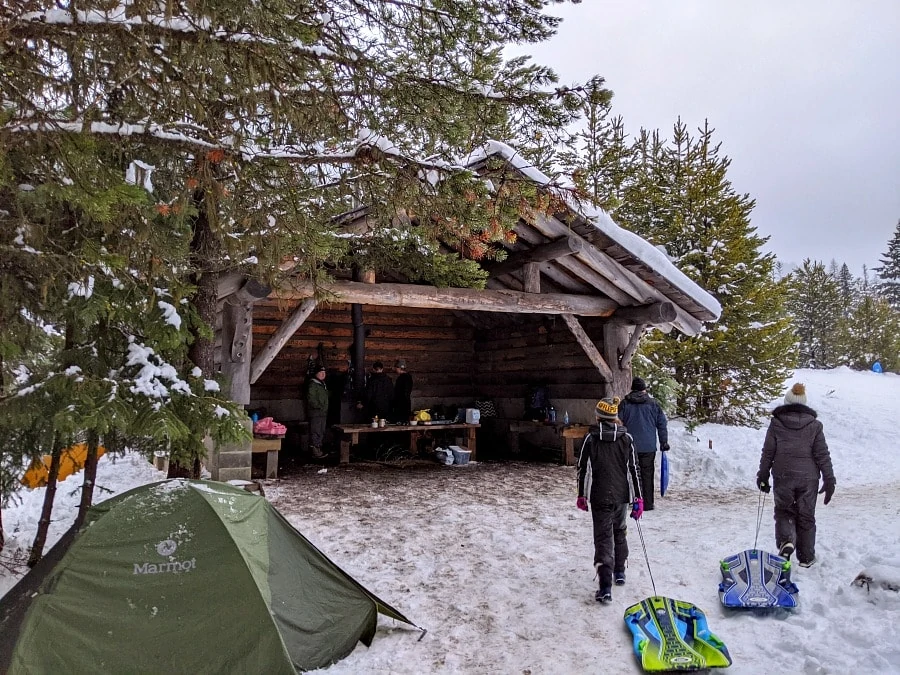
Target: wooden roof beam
[(653, 315), (468, 299), (560, 248)]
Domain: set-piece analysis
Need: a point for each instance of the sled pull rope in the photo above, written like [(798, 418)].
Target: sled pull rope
[(759, 514), (646, 557)]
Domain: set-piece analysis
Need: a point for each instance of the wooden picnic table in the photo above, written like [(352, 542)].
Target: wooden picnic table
[(350, 434)]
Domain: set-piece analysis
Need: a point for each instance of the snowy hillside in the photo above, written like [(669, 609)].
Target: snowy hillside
[(495, 560)]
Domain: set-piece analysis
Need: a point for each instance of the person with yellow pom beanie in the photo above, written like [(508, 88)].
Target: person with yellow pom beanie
[(609, 480), (796, 455)]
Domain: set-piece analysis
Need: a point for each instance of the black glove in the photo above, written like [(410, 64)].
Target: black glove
[(828, 489), (664, 447), (762, 482)]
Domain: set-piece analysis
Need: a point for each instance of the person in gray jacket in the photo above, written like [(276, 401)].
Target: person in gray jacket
[(646, 422), (796, 454)]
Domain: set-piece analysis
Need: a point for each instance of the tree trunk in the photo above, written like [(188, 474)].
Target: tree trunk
[(90, 477), (1, 522), (204, 247), (40, 538), (204, 257)]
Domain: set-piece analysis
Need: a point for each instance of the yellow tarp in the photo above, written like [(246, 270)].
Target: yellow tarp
[(71, 461)]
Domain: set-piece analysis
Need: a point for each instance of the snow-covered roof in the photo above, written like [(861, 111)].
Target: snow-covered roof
[(643, 252)]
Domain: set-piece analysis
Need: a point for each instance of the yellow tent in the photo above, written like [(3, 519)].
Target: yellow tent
[(71, 461)]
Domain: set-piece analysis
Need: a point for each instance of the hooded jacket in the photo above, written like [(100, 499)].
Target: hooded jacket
[(645, 420), (795, 445), (605, 463)]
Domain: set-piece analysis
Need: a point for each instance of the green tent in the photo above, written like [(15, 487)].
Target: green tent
[(184, 576)]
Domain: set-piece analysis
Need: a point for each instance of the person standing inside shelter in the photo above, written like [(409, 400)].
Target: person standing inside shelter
[(402, 404), (379, 394), (646, 421), (317, 411), (796, 454), (605, 464)]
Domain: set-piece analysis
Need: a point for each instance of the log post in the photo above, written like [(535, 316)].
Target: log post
[(531, 277), (615, 342)]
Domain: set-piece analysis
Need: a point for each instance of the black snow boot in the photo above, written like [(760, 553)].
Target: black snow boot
[(619, 576), (604, 595), (786, 550)]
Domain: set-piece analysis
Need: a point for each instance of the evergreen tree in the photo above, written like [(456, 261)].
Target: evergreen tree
[(684, 201), (147, 147), (888, 284), (597, 158), (872, 333), (848, 289), (814, 301)]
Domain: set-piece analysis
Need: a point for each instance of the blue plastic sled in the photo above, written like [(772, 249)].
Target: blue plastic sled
[(673, 635), (755, 579), (664, 474)]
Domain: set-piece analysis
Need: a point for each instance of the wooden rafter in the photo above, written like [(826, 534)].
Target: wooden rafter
[(559, 248)]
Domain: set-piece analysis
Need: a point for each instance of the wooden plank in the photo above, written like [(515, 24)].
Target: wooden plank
[(281, 336), (589, 347), (470, 299)]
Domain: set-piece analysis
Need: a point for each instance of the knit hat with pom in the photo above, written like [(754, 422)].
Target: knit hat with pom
[(607, 408), (796, 394)]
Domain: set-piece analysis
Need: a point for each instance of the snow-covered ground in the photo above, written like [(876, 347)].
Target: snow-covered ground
[(495, 560)]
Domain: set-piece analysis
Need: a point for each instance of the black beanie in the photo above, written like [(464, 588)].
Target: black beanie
[(637, 384)]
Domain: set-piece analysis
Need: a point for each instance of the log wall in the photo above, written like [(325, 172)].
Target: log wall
[(438, 348), (538, 350)]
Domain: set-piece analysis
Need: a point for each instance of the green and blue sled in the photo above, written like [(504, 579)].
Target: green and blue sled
[(673, 635)]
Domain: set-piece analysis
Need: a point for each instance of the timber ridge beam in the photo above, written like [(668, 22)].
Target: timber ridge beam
[(467, 299), (564, 246)]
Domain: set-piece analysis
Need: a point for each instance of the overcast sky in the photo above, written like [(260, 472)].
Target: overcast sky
[(804, 96)]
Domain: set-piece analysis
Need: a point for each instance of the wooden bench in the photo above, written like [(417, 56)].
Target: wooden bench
[(350, 435), (270, 446), (570, 435)]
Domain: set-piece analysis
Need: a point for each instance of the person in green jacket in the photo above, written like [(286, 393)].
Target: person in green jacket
[(317, 411)]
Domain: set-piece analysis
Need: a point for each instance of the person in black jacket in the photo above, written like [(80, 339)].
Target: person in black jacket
[(609, 480), (796, 454), (379, 393), (402, 406), (646, 421)]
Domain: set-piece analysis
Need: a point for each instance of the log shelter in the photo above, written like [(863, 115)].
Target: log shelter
[(565, 310)]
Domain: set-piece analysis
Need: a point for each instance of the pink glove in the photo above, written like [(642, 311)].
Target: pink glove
[(582, 503), (637, 509)]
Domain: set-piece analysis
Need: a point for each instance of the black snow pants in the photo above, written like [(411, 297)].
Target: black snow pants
[(316, 429), (610, 540), (795, 514), (647, 462)]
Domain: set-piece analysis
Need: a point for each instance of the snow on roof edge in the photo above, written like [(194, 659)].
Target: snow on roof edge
[(640, 248)]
